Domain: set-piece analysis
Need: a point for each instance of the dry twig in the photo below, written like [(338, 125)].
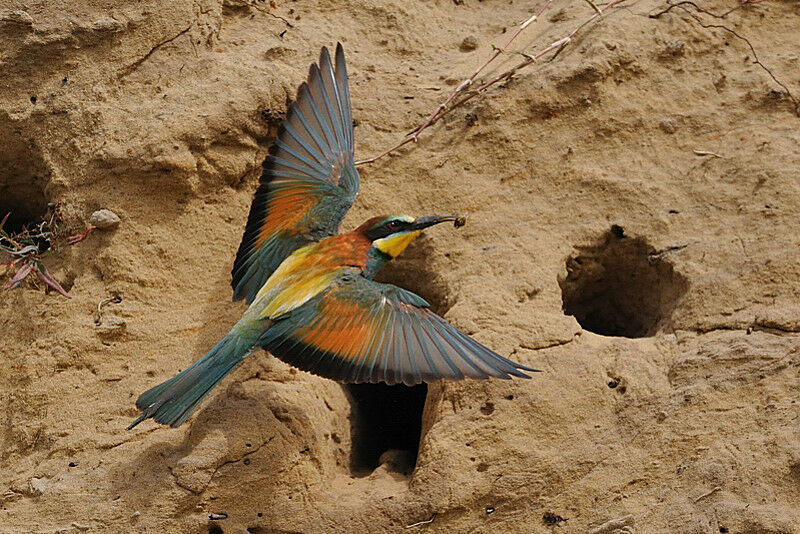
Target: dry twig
[(706, 153), (420, 523), (683, 6), (701, 10), (448, 105), (707, 494)]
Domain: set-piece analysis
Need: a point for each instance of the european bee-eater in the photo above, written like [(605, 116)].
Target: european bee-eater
[(312, 299)]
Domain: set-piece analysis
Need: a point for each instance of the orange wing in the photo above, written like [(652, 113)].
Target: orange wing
[(309, 179), (359, 330)]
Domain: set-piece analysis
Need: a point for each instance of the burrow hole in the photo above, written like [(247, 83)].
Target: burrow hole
[(620, 286), (23, 175), (386, 421), (386, 426), (25, 205)]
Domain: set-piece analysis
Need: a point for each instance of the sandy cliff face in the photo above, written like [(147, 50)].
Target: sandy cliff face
[(646, 180)]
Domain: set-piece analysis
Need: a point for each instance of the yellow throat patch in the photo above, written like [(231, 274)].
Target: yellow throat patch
[(395, 244)]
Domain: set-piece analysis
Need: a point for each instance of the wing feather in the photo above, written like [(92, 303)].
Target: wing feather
[(331, 97), (431, 371), (379, 336), (468, 366), (324, 113), (309, 179), (343, 93), (414, 352), (387, 363), (358, 330)]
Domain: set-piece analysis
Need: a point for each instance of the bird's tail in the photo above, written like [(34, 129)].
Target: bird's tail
[(171, 402)]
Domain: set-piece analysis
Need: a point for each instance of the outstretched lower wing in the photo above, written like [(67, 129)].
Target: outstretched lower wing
[(309, 179), (359, 330)]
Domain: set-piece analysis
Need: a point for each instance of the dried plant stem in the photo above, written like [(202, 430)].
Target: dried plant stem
[(448, 105), (461, 87), (419, 523), (466, 83), (672, 5), (756, 60), (594, 6), (740, 5), (559, 45)]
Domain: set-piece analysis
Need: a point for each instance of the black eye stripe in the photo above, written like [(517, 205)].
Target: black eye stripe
[(387, 228)]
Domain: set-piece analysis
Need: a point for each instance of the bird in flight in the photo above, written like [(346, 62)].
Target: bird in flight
[(313, 302)]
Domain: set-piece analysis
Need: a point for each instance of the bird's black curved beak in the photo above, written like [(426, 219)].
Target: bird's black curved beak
[(424, 222)]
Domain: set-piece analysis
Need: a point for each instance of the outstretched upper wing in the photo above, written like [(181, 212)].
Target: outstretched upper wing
[(359, 330), (309, 179)]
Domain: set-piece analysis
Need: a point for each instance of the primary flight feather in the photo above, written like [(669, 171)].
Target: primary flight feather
[(312, 299)]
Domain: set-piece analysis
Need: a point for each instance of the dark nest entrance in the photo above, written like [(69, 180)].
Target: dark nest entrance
[(386, 419), (26, 208), (620, 286), (26, 204), (23, 176)]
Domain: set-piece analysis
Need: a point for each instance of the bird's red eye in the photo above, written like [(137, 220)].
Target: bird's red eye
[(393, 225)]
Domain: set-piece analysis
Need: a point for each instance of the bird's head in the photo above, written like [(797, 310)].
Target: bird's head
[(390, 235)]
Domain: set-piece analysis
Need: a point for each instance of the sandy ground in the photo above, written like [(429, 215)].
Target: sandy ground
[(672, 405)]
